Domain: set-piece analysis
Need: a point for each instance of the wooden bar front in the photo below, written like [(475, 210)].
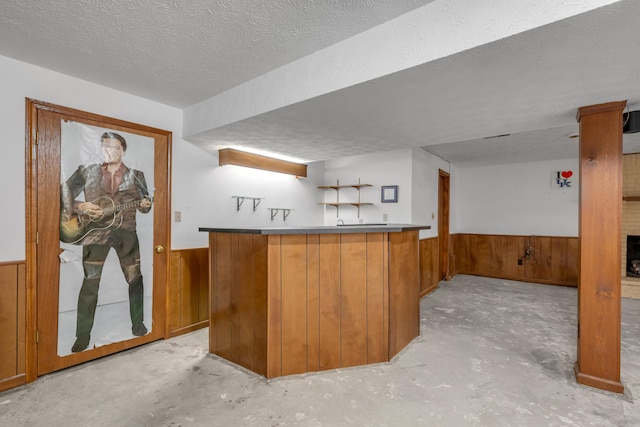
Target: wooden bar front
[(285, 304)]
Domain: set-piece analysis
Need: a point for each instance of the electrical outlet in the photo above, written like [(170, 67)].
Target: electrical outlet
[(177, 216), (385, 217)]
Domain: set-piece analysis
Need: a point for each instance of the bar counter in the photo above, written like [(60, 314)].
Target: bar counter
[(290, 300), (321, 229)]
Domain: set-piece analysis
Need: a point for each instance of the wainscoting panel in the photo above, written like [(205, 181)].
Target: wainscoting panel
[(429, 262), (539, 259), (12, 321), (188, 291)]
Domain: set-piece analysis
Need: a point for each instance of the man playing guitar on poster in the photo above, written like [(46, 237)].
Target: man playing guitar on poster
[(113, 194)]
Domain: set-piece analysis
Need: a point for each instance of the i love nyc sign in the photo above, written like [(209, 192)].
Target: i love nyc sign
[(562, 179)]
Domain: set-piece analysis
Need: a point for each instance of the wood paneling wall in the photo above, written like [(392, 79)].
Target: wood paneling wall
[(539, 259), (323, 301), (429, 265), (404, 290), (344, 321), (188, 291), (12, 325), (238, 299)]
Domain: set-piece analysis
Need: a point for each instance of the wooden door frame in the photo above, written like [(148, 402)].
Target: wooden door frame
[(443, 224), (32, 107)]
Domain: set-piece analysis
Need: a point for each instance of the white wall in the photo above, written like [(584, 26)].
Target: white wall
[(512, 199), (203, 193), (19, 81), (378, 169), (200, 188), (425, 177), (414, 171), (518, 199)]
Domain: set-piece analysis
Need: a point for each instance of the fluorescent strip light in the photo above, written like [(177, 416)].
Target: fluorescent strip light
[(229, 156)]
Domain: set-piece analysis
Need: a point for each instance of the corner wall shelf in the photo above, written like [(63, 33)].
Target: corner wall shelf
[(338, 203)]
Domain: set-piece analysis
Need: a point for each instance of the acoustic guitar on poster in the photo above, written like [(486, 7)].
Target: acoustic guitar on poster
[(78, 226)]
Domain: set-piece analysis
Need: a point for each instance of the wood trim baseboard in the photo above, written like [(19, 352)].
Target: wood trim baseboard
[(13, 382), (597, 382), (427, 291), (188, 329)]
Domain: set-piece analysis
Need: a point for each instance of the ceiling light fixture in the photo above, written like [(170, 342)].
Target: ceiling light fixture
[(229, 156)]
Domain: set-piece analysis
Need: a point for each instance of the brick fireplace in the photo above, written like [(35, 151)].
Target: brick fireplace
[(633, 256), (630, 225)]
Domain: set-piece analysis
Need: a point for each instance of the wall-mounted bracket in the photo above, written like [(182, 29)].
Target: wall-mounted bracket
[(240, 201), (285, 213)]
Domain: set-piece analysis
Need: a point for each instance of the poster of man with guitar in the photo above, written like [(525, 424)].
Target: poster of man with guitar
[(105, 219)]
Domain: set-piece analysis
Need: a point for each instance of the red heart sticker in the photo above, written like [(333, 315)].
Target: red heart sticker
[(566, 174)]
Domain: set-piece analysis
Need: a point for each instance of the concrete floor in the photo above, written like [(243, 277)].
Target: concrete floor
[(492, 353)]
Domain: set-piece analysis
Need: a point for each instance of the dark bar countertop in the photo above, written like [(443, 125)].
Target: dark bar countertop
[(321, 229)]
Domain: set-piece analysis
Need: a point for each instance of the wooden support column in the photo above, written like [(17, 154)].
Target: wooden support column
[(600, 228)]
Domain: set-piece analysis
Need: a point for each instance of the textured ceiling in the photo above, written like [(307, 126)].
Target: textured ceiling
[(180, 53), (534, 81)]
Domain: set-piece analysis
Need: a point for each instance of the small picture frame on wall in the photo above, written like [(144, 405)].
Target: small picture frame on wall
[(389, 194)]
